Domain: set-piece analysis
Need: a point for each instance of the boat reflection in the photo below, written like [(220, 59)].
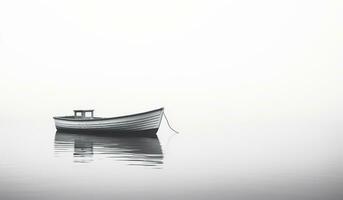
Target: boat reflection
[(140, 151)]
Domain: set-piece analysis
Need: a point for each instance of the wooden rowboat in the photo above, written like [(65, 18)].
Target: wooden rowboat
[(140, 124)]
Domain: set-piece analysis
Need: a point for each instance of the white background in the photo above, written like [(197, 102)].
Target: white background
[(241, 61)]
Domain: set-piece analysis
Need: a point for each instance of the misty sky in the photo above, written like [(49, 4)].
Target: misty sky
[(244, 60)]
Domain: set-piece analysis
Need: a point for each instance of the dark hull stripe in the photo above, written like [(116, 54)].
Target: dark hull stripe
[(123, 133)]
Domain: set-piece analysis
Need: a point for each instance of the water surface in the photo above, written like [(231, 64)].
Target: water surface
[(299, 161)]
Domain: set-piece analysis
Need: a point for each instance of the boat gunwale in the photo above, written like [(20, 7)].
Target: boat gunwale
[(106, 118)]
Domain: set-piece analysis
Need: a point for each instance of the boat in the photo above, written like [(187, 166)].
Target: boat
[(138, 151), (83, 121)]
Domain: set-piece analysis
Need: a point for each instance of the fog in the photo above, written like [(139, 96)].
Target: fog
[(254, 88)]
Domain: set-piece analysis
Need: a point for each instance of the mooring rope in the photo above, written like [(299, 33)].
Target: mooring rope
[(169, 124)]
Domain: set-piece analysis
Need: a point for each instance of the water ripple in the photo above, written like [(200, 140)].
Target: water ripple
[(133, 151)]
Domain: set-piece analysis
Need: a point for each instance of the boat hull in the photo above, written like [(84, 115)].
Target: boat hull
[(144, 124)]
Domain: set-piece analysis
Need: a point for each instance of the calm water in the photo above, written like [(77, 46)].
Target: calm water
[(298, 161)]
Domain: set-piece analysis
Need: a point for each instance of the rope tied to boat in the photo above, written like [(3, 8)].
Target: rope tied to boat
[(165, 116)]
